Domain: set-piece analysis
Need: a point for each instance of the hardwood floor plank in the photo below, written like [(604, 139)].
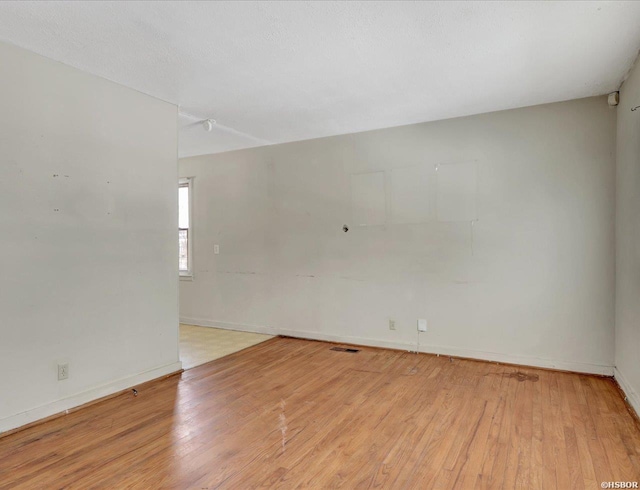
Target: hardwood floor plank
[(291, 413)]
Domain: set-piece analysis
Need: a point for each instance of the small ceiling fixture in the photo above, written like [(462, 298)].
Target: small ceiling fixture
[(208, 124)]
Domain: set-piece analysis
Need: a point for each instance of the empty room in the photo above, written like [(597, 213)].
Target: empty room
[(319, 244)]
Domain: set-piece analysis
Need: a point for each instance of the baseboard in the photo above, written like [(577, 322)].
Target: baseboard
[(632, 395), (578, 367), (241, 327), (59, 406), (570, 366)]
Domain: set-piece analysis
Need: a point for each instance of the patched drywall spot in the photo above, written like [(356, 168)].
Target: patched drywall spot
[(409, 194), (368, 200), (457, 191)]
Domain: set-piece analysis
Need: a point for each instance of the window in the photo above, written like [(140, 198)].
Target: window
[(185, 237)]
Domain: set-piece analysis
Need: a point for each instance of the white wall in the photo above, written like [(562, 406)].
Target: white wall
[(627, 331), (530, 281), (88, 245)]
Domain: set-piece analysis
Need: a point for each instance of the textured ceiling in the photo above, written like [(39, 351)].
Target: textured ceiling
[(271, 72)]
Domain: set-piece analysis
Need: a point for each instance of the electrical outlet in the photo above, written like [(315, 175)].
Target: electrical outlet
[(216, 249), (63, 371), (422, 325), (392, 324)]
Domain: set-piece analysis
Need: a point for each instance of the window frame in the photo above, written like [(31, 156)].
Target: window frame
[(187, 275)]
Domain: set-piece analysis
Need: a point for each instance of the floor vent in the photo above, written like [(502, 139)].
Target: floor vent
[(344, 349)]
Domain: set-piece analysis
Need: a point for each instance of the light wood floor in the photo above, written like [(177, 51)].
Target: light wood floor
[(292, 413)]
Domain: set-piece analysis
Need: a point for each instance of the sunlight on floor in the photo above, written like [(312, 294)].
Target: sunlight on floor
[(203, 344)]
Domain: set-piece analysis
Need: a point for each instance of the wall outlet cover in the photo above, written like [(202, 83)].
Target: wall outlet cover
[(63, 371), (422, 325)]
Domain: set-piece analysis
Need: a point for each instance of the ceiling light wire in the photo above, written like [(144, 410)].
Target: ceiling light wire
[(209, 123)]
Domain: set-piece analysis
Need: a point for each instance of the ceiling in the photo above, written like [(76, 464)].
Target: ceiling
[(271, 72)]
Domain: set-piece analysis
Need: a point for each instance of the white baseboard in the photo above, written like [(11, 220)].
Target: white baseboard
[(572, 366), (632, 395), (578, 367), (59, 406), (241, 327)]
